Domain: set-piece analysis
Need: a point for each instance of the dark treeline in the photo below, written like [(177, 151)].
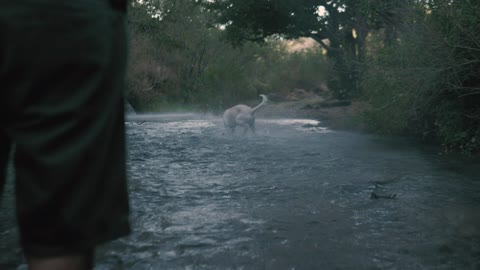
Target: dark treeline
[(415, 62)]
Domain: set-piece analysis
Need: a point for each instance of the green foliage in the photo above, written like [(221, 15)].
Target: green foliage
[(179, 59), (254, 20), (428, 84), (416, 62)]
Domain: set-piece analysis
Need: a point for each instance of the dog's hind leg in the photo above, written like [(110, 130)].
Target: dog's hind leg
[(252, 128)]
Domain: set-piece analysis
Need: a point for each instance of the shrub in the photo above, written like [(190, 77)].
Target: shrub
[(428, 83)]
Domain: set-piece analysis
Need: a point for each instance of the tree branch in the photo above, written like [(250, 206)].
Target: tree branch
[(320, 41)]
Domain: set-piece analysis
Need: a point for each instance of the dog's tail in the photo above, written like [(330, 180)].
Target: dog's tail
[(264, 101)]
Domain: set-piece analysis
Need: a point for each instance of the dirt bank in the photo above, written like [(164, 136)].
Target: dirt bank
[(335, 114)]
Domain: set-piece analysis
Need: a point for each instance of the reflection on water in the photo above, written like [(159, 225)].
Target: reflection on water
[(291, 122), (298, 124), (296, 196)]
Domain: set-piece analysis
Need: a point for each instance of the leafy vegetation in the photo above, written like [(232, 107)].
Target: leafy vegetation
[(427, 82), (415, 62), (180, 59)]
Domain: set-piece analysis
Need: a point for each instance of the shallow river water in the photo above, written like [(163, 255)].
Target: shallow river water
[(296, 196)]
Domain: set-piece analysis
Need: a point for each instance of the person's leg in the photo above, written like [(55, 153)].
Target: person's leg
[(65, 73), (5, 141), (67, 262), (4, 154)]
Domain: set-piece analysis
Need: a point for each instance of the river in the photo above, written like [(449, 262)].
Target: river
[(295, 196)]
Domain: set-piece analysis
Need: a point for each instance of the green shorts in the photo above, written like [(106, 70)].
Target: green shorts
[(62, 69)]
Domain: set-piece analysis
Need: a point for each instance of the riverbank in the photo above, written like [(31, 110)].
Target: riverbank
[(339, 115), (335, 114)]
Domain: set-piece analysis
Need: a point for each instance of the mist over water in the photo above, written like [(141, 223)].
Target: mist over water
[(296, 196)]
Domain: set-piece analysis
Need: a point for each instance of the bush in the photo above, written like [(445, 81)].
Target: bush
[(428, 83)]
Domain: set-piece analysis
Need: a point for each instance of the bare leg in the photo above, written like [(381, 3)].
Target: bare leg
[(68, 262)]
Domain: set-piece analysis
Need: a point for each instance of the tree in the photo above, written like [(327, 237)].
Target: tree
[(339, 26), (169, 41), (178, 58)]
